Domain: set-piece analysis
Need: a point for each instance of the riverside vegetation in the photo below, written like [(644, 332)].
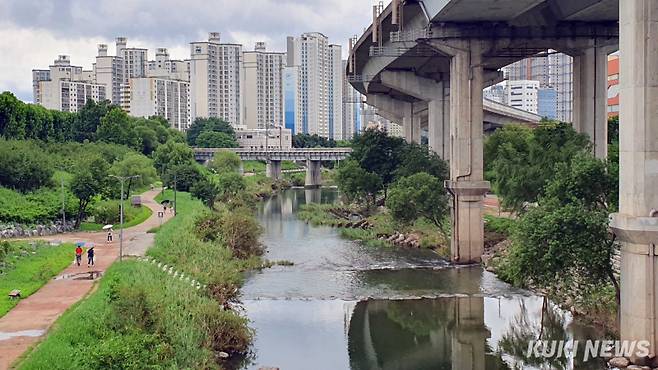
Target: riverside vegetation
[(556, 240), (140, 317), (405, 178)]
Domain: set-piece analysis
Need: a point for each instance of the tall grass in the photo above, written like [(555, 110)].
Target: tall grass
[(141, 317), (28, 268)]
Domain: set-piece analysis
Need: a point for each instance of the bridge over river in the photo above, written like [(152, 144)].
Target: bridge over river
[(273, 157)]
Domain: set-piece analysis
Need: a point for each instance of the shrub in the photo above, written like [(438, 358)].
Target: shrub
[(24, 166)]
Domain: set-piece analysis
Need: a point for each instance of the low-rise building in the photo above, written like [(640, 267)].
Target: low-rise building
[(274, 138)]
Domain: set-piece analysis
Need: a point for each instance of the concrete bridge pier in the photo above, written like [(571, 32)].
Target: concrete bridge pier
[(434, 92), (466, 184), (273, 169), (241, 168), (590, 106), (313, 174), (469, 335), (636, 224)]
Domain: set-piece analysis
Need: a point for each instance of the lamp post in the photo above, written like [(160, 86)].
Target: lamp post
[(122, 179), (63, 205)]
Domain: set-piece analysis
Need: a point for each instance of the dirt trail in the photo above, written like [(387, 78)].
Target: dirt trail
[(30, 320)]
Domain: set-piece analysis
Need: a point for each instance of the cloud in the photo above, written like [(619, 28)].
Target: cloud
[(34, 32)]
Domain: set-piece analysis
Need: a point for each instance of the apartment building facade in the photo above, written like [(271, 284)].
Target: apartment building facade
[(263, 93), (67, 87)]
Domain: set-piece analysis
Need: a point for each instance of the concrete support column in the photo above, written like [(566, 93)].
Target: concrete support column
[(407, 124), (469, 334), (241, 168), (313, 174), (415, 128), (590, 96), (438, 129), (273, 169), (466, 184), (636, 224)]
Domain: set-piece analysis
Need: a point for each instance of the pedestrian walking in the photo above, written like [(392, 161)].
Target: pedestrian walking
[(109, 236), (90, 257), (78, 255)]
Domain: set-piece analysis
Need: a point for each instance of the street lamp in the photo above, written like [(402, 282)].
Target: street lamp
[(122, 179)]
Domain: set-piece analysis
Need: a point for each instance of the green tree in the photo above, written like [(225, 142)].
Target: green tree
[(378, 153), (303, 140), (171, 154), (213, 139), (212, 124), (89, 181), (225, 161), (566, 235), (182, 176), (358, 184), (418, 195), (230, 184), (88, 120), (416, 158), (206, 191), (520, 162), (24, 166), (134, 164), (118, 128), (12, 125)]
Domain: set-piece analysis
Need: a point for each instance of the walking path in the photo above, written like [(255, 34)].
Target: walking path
[(30, 320)]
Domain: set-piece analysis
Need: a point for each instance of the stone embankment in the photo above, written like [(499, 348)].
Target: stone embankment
[(11, 231)]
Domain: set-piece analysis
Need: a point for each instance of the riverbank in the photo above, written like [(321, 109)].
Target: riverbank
[(594, 306), (359, 307), (27, 323), (377, 229), (143, 316)]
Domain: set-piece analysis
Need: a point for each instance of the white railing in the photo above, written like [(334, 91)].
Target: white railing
[(410, 35)]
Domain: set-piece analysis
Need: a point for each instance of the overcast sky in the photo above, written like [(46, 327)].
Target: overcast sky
[(34, 32)]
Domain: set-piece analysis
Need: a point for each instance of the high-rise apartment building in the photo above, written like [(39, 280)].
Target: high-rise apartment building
[(352, 101), (163, 66), (561, 79), (263, 92), (38, 75), (109, 70), (216, 80), (336, 105), (319, 84), (553, 71), (68, 87), (547, 102), (164, 97)]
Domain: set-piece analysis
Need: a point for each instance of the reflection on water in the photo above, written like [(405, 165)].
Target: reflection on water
[(346, 306)]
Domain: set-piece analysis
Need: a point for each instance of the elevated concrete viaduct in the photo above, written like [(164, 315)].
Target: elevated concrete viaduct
[(440, 54), (416, 48)]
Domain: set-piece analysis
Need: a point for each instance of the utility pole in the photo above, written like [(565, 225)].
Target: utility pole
[(175, 202), (122, 179), (63, 205)]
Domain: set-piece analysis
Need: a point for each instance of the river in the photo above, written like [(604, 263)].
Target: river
[(343, 305)]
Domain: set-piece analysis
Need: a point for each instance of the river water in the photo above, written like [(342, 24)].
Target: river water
[(343, 305)]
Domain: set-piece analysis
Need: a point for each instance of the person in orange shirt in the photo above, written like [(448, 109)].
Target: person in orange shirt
[(78, 255)]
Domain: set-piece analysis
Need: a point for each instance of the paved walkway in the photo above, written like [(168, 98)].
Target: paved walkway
[(27, 323)]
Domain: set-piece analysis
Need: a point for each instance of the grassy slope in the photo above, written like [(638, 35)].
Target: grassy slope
[(141, 317), (143, 215), (30, 272)]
